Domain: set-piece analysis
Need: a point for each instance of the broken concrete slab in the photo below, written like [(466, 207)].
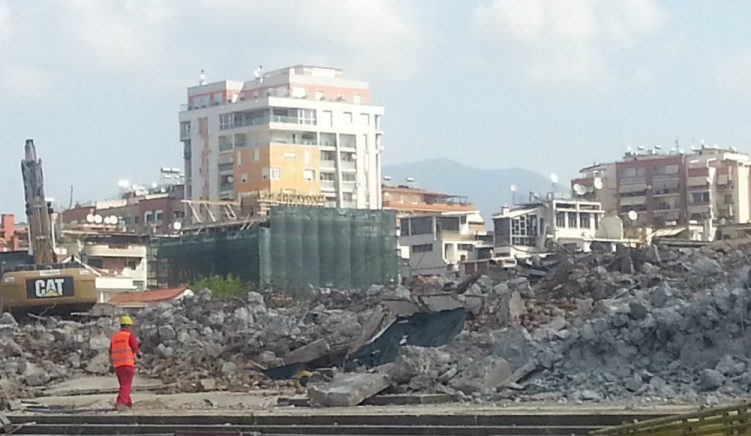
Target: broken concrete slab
[(348, 389), (485, 374), (309, 352), (440, 302)]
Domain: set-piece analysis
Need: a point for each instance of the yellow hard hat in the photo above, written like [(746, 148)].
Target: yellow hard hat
[(126, 320)]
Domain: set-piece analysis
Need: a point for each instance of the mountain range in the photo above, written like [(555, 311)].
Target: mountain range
[(487, 189)]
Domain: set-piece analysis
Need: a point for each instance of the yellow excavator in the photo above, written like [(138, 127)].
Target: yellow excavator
[(47, 287)]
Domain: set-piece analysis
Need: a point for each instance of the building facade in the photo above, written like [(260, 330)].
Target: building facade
[(709, 185), (408, 200), (299, 130), (533, 228), (441, 242)]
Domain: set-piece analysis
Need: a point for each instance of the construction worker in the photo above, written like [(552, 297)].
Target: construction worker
[(123, 353)]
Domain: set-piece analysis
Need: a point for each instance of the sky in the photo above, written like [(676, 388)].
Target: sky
[(546, 85)]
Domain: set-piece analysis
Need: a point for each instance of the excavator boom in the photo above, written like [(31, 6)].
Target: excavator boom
[(37, 209)]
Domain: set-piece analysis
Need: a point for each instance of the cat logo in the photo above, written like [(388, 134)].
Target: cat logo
[(49, 288)]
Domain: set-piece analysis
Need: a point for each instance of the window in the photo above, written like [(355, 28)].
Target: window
[(290, 155), (364, 119), (309, 175), (328, 139), (377, 121), (327, 177), (347, 141), (379, 144), (158, 215), (597, 221), (328, 155), (348, 157), (560, 219), (306, 116), (700, 197), (665, 170), (466, 247), (728, 198), (148, 217), (319, 96), (244, 178), (404, 226), (348, 196), (422, 248), (225, 167), (356, 98), (327, 118), (132, 264), (421, 226), (347, 118), (446, 224), (225, 143), (584, 221), (256, 154), (348, 177), (271, 173), (572, 221)]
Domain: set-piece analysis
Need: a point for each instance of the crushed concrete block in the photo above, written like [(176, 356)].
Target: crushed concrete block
[(309, 352), (99, 364), (637, 311), (440, 302), (710, 380), (6, 319), (166, 333), (488, 373), (207, 384), (347, 390)]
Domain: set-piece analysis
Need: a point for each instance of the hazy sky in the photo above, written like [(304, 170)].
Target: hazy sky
[(548, 85)]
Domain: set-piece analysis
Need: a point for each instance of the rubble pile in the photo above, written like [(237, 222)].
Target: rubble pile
[(656, 323)]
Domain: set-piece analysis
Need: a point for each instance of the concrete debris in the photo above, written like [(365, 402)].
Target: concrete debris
[(658, 323), (347, 390)]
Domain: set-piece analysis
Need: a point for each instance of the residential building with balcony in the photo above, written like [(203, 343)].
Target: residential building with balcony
[(538, 227), (299, 130), (410, 200), (440, 242), (709, 185)]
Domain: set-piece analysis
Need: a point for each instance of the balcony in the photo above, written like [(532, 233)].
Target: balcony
[(328, 164), (328, 185), (349, 166)]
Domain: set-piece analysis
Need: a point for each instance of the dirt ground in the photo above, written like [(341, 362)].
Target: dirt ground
[(146, 402)]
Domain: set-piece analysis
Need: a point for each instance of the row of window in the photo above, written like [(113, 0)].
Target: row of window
[(659, 170), (275, 174), (309, 117), (573, 220)]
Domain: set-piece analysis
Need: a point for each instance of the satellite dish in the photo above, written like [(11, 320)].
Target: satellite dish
[(632, 215), (90, 218), (114, 219), (513, 187), (580, 189), (598, 183), (230, 179), (107, 220), (410, 179), (177, 225), (154, 185), (554, 178), (387, 178), (123, 184), (98, 219)]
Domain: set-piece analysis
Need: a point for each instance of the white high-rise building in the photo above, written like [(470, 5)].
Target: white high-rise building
[(299, 130)]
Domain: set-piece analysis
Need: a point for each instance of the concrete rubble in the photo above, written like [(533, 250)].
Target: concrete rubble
[(656, 324)]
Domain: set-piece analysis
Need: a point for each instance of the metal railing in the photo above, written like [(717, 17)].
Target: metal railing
[(719, 421)]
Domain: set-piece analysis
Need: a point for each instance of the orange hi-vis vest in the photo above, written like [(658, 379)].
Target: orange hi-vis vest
[(121, 354)]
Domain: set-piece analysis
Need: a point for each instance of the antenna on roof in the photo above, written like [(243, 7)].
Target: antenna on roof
[(203, 78), (258, 73), (513, 193)]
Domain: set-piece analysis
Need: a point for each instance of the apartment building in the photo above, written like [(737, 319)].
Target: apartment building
[(440, 242), (299, 130), (406, 199), (530, 229), (708, 185)]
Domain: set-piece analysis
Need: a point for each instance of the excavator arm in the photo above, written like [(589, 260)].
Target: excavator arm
[(38, 212)]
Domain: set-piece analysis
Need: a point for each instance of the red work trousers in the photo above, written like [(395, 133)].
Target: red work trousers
[(125, 376)]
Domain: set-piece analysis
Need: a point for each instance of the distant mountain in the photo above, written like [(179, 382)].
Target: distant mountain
[(487, 189)]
